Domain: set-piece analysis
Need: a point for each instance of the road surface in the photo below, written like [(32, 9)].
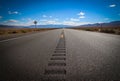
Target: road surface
[(61, 55)]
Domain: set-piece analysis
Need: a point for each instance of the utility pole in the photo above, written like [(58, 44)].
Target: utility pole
[(101, 25)]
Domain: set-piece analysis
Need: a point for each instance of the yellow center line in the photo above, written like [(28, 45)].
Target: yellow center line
[(61, 36)]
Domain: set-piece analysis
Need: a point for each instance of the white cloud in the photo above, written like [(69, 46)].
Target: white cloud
[(82, 17), (29, 22), (23, 19), (73, 19), (19, 23), (29, 19), (11, 21), (1, 17), (112, 5), (72, 23), (50, 16), (43, 20), (100, 22), (51, 22), (56, 19), (14, 12), (9, 12), (69, 23), (106, 18), (66, 18), (44, 16), (81, 13)]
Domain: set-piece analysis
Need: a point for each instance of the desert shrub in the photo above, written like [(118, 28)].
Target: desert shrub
[(117, 32), (1, 33), (12, 32), (107, 30), (92, 29), (88, 29), (23, 31)]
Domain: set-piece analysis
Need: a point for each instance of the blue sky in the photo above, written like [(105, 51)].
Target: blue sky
[(66, 12)]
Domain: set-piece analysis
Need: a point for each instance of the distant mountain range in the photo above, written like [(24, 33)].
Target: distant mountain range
[(110, 24), (33, 26), (49, 26)]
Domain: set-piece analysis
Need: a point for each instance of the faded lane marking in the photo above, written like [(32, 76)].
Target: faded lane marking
[(61, 36)]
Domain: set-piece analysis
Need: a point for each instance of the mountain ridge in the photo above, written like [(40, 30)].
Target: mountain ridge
[(110, 24)]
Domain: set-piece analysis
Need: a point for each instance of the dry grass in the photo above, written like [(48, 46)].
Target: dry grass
[(113, 30), (7, 31)]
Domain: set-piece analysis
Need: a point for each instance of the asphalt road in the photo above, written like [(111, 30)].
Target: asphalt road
[(61, 55)]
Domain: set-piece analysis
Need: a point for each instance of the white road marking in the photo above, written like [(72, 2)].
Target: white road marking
[(16, 38), (10, 39)]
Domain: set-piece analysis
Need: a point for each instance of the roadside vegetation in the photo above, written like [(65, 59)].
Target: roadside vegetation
[(112, 30), (7, 31)]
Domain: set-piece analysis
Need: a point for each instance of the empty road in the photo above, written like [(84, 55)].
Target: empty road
[(61, 55)]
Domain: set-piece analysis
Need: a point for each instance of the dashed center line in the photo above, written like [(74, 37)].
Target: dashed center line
[(61, 36)]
